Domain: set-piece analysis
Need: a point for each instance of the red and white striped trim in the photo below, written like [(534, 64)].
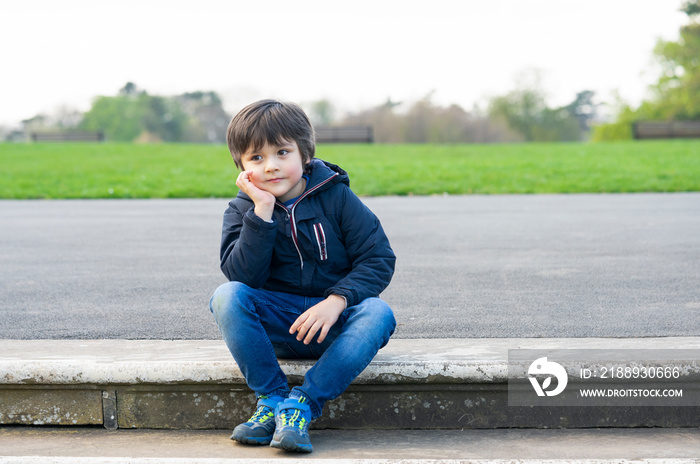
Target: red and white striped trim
[(321, 241)]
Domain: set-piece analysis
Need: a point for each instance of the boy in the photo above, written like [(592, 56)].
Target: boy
[(305, 260)]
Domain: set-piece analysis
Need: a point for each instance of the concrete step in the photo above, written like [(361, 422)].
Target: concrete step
[(194, 384), (68, 445)]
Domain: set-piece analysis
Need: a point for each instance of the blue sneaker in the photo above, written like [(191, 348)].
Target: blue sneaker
[(259, 428), (292, 418)]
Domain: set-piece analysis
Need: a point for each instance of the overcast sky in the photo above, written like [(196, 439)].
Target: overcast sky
[(356, 53)]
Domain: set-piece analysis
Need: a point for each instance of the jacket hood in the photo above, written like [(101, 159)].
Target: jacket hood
[(319, 171)]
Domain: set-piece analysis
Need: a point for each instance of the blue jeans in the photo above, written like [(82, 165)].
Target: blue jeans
[(255, 326)]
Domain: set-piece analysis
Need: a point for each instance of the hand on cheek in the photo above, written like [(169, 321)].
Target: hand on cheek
[(264, 201)]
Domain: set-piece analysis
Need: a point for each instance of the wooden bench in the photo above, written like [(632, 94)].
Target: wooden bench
[(666, 129), (69, 136), (344, 134)]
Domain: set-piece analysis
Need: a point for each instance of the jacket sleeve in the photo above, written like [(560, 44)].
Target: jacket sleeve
[(246, 246), (368, 247)]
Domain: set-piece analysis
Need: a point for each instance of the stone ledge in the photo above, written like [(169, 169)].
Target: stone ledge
[(417, 383), (165, 362)]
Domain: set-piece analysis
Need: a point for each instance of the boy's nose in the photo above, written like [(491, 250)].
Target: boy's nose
[(271, 164)]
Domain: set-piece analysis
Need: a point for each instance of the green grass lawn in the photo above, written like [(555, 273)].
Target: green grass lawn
[(112, 170)]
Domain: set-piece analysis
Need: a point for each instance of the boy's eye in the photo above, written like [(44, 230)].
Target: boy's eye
[(255, 158), (282, 152)]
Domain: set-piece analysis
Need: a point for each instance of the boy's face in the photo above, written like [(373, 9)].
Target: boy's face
[(276, 169)]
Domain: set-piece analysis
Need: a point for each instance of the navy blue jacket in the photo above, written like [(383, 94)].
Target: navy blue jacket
[(327, 242)]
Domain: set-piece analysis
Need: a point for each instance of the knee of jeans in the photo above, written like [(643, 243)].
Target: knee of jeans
[(389, 320), (382, 314), (224, 296), (387, 317)]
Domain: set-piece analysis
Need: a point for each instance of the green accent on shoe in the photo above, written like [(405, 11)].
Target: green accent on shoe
[(261, 426), (292, 418)]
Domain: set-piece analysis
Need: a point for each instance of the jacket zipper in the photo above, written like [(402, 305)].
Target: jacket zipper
[(292, 219), (321, 241)]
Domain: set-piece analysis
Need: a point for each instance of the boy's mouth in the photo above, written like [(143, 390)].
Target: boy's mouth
[(274, 180)]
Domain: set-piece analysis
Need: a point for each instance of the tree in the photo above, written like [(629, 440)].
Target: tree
[(164, 118), (129, 89), (120, 118), (583, 110), (691, 8), (386, 123), (322, 112), (520, 109), (63, 117), (676, 95), (66, 117), (207, 119), (133, 114), (426, 122), (525, 111)]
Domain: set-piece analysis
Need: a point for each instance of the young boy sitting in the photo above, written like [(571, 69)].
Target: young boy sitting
[(306, 261)]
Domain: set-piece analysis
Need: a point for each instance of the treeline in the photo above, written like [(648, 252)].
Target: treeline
[(676, 95), (521, 115), (134, 115)]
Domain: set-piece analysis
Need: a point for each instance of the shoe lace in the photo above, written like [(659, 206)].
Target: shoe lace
[(262, 414), (293, 417)]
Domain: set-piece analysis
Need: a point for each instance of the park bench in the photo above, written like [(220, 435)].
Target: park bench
[(344, 134), (666, 129), (69, 136)]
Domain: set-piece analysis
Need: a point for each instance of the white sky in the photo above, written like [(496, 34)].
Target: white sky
[(356, 53)]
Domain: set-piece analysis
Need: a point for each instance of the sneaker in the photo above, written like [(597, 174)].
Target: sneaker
[(259, 428), (292, 418)]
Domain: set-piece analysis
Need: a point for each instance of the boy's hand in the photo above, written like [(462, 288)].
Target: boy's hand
[(319, 317), (264, 201)]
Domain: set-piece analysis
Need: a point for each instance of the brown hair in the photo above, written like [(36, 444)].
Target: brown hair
[(272, 122)]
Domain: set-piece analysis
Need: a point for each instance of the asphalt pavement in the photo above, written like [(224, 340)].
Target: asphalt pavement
[(530, 266)]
